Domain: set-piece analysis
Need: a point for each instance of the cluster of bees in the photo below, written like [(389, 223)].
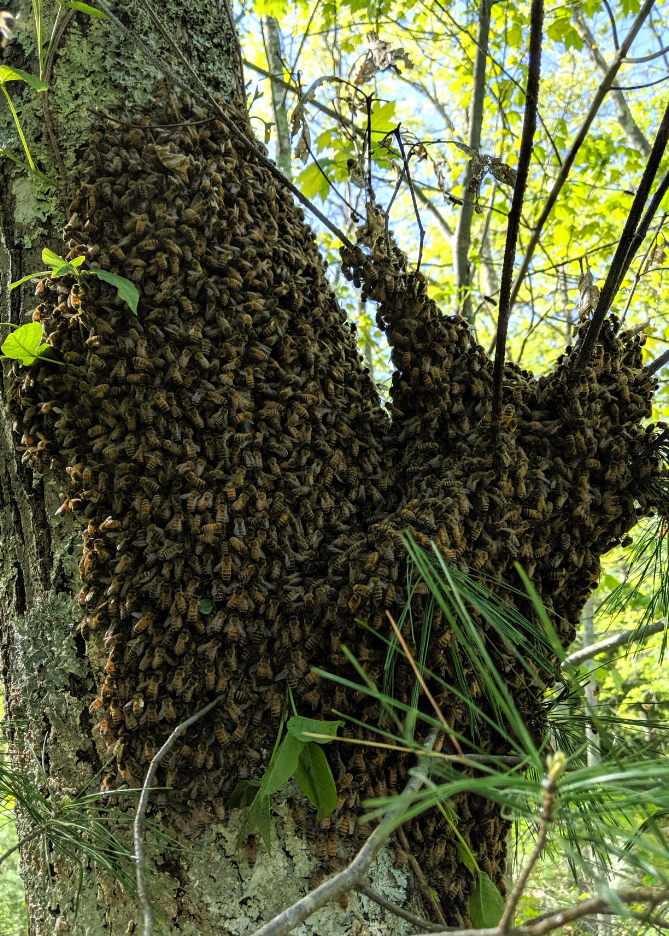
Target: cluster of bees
[(242, 492)]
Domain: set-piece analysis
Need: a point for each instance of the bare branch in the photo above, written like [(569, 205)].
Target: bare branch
[(623, 255), (623, 113), (556, 767), (646, 58), (397, 911), (603, 89), (347, 879), (612, 20), (141, 811), (443, 224), (526, 147), (640, 270), (610, 643), (658, 363)]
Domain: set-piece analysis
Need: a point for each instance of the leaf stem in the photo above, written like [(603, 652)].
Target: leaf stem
[(18, 127)]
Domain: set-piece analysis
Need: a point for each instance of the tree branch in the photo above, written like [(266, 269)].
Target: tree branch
[(368, 891), (604, 87), (610, 643), (348, 878), (623, 256), (556, 768), (463, 228), (623, 113), (526, 147), (141, 811)]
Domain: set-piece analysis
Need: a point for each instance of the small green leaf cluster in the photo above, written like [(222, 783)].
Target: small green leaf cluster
[(299, 756), (25, 344)]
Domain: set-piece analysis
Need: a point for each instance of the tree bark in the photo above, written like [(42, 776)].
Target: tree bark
[(236, 496), (462, 237), (272, 36)]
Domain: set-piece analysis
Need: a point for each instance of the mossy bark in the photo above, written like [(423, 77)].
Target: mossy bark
[(48, 681)]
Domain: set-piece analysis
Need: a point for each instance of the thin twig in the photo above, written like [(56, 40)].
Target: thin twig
[(610, 643), (368, 891), (556, 768), (561, 178), (419, 677), (421, 229), (639, 272), (347, 879), (141, 810), (21, 843), (612, 18), (623, 251), (420, 877), (526, 147), (209, 101)]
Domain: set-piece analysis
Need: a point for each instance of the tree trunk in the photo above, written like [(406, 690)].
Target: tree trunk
[(240, 495)]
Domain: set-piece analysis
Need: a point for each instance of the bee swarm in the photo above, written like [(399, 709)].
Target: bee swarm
[(243, 491)]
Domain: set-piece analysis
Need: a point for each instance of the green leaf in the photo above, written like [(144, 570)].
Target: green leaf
[(244, 793), (206, 605), (314, 776), (85, 8), (77, 261), (259, 818), (52, 259), (17, 74), (466, 857), (282, 766), (299, 724), (24, 344), (26, 279), (126, 290), (312, 182), (486, 904)]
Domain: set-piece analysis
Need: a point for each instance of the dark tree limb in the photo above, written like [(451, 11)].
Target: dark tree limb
[(625, 251), (526, 147)]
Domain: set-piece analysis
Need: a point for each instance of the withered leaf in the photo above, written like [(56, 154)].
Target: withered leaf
[(179, 162), (381, 57)]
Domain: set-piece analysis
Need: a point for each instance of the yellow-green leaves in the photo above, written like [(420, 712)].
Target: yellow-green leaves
[(85, 8), (17, 74), (25, 344), (126, 290)]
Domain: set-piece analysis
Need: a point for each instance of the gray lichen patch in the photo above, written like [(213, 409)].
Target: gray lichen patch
[(240, 898)]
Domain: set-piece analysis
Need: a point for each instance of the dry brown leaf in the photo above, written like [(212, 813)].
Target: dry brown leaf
[(177, 161), (381, 57)]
